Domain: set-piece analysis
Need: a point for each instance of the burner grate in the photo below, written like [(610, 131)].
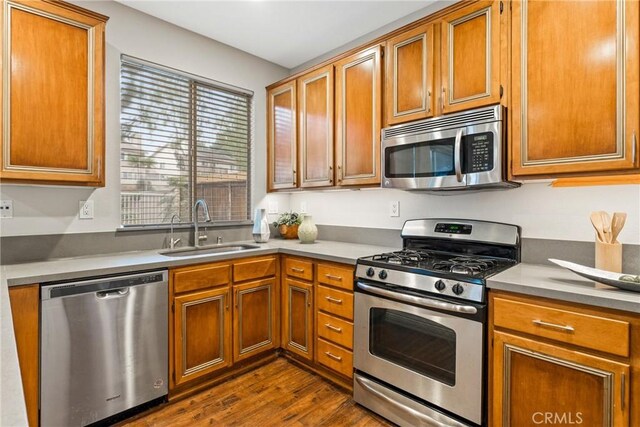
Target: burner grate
[(465, 265), (403, 257)]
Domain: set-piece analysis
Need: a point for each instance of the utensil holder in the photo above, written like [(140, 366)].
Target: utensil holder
[(609, 258)]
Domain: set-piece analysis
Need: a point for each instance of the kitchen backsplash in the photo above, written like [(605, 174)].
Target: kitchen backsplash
[(20, 249)]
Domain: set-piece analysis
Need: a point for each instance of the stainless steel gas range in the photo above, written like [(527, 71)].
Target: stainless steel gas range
[(420, 321)]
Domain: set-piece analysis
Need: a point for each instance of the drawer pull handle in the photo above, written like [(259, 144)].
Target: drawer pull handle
[(334, 300), (566, 328), (333, 356), (333, 328), (331, 277), (297, 270)]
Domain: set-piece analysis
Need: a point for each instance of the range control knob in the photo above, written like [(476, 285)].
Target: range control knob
[(457, 289), (440, 285), (370, 272), (382, 275)]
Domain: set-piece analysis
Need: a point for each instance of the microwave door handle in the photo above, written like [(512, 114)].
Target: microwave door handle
[(457, 164)]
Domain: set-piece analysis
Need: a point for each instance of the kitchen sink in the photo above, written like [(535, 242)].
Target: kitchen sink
[(208, 250)]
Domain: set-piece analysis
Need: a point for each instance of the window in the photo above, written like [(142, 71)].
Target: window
[(183, 138)]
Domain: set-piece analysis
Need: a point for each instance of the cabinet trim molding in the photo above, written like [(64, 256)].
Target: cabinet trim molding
[(307, 301), (620, 95), (450, 27), (269, 287), (423, 107), (6, 98), (209, 363), (607, 377)]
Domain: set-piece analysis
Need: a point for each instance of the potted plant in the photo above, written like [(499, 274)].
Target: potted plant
[(287, 224)]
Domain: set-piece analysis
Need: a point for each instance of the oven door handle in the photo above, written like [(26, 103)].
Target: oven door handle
[(456, 154), (368, 385), (425, 302)]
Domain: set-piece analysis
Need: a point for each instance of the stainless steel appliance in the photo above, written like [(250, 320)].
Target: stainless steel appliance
[(420, 321), (461, 151), (103, 347)]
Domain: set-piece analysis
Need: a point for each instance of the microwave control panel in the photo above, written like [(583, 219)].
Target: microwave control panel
[(479, 152)]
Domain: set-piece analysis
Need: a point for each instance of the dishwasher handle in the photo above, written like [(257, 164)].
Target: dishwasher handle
[(112, 293)]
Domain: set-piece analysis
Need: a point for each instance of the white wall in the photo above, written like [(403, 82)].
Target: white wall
[(53, 210), (542, 211)]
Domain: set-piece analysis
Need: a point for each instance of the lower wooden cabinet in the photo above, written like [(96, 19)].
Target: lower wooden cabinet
[(558, 363), (25, 310), (297, 309), (202, 337), (536, 382), (254, 318)]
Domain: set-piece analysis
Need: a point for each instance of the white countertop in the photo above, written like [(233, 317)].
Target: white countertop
[(535, 280)]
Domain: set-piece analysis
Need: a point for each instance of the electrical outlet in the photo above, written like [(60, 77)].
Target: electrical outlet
[(273, 207), (6, 208), (303, 207), (394, 208), (86, 209)]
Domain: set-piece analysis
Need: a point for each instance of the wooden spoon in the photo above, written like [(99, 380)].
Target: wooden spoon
[(617, 223), (596, 220), (606, 226)]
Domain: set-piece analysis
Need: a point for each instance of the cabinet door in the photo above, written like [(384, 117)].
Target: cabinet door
[(254, 318), (297, 308), (471, 57), (536, 383), (358, 114), (202, 328), (53, 100), (574, 86), (281, 137), (409, 76), (315, 106)]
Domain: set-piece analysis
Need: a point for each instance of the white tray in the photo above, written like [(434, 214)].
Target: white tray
[(601, 276)]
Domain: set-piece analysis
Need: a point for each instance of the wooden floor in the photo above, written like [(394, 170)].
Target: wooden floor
[(277, 394)]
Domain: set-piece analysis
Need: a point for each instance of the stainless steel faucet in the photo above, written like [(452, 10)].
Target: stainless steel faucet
[(194, 213), (173, 242)]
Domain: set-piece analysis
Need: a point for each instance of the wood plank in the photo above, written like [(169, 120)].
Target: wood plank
[(277, 394)]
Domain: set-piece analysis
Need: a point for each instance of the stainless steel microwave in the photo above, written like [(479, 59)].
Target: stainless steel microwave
[(461, 151)]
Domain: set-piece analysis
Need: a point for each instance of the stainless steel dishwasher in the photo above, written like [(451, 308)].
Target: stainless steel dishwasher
[(103, 347)]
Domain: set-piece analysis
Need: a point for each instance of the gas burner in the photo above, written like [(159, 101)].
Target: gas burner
[(465, 265), (403, 257)]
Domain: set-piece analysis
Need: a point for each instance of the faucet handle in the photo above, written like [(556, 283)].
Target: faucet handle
[(202, 238), (219, 240)]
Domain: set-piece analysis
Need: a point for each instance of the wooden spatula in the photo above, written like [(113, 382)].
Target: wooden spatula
[(596, 220), (617, 223)]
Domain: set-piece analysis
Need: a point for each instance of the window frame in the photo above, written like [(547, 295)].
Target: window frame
[(192, 173)]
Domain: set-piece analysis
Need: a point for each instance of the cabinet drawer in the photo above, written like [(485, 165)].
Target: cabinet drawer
[(336, 330), (335, 358), (584, 330), (335, 302), (202, 277), (254, 269), (339, 277), (299, 268)]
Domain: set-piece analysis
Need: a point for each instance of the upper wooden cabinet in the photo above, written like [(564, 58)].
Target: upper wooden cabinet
[(358, 117), (471, 57), (281, 137), (575, 86), (315, 127), (52, 94), (409, 77)]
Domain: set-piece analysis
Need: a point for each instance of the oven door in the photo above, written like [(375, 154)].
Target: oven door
[(433, 355)]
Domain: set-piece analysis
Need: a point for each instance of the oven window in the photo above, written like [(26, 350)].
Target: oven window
[(413, 342), (424, 159)]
